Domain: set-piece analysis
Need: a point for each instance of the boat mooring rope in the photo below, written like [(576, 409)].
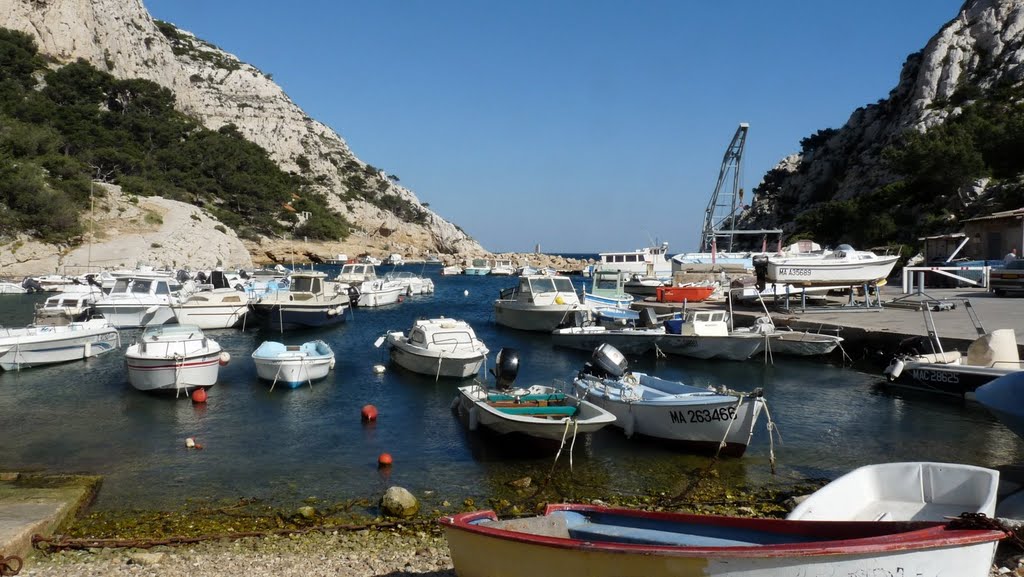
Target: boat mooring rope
[(10, 566)]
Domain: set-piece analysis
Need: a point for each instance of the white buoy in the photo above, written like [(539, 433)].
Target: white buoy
[(190, 443), (465, 293), (379, 369)]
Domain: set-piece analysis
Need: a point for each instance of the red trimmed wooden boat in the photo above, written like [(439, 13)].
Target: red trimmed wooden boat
[(601, 541), (678, 294)]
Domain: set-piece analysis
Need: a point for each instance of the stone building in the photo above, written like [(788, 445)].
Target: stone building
[(993, 236)]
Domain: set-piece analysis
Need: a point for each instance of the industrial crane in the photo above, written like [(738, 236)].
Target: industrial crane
[(720, 216)]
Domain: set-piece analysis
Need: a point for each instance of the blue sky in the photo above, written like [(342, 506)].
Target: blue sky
[(584, 126)]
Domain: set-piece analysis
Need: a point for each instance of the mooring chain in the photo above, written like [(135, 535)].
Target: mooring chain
[(10, 566), (982, 521)]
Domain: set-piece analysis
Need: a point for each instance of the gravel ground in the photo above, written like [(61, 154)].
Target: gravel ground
[(361, 554)]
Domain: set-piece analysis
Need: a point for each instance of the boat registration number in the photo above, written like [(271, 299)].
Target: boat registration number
[(794, 271), (704, 415), (928, 376)]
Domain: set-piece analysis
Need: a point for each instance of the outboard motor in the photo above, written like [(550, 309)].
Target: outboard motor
[(648, 318), (182, 275), (91, 278), (31, 285), (760, 271), (216, 279), (201, 277), (506, 368), (609, 360), (243, 274)]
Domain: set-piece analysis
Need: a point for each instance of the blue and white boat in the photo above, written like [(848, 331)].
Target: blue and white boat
[(312, 301), (607, 299), (293, 365), (479, 267)]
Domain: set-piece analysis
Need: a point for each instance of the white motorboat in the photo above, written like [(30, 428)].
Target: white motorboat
[(706, 335), (67, 307), (356, 273), (312, 301), (503, 267), (174, 358), (411, 283), (379, 292), (643, 286), (438, 347), (629, 340), (42, 345), (913, 491), (10, 288), (842, 266), (539, 303), (394, 259), (651, 261), (694, 418), (451, 270), (139, 302), (478, 267), (608, 302), (220, 307), (338, 259), (921, 363), (540, 412), (293, 365), (791, 342)]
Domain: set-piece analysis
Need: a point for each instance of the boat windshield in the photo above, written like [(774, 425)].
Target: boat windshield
[(141, 286), (306, 284), (551, 284)]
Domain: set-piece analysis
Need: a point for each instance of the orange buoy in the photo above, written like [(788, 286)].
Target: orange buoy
[(199, 395), (369, 413), (384, 460)]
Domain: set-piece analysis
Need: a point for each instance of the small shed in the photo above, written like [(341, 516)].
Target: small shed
[(994, 235), (942, 246)]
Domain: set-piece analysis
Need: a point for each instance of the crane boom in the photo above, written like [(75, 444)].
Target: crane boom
[(720, 216)]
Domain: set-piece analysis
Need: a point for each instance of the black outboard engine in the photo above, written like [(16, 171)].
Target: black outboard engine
[(182, 275), (31, 285), (242, 273), (506, 368), (760, 271), (91, 278), (201, 278), (353, 296), (217, 279), (648, 318)]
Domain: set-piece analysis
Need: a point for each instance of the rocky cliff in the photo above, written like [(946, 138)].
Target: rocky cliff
[(121, 37), (982, 47)]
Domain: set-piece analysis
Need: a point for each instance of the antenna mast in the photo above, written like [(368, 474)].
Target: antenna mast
[(720, 216)]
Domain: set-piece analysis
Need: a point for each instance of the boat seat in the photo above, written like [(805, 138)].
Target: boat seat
[(638, 536), (524, 398), (545, 411)]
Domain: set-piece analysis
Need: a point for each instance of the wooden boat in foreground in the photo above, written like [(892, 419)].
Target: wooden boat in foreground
[(600, 541), (914, 491)]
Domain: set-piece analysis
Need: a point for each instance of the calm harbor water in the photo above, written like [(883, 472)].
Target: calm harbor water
[(285, 445)]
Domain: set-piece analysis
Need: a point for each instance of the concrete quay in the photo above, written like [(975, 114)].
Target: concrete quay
[(39, 504), (877, 331)]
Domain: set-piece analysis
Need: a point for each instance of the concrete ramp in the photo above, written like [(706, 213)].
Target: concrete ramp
[(31, 504)]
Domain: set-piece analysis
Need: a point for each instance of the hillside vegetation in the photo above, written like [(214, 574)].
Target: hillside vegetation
[(936, 173), (61, 127)]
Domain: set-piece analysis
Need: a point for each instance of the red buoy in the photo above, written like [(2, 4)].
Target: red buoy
[(369, 413), (199, 396), (384, 460)]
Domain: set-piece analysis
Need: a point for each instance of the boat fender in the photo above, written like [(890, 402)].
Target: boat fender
[(87, 351), (330, 365), (225, 358), (474, 419), (559, 300), (897, 369), (628, 425)]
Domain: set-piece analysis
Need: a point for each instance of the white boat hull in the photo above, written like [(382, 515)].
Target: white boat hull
[(730, 348), (435, 363), (293, 372), (154, 374), (801, 344), (381, 297), (697, 423), (535, 318), (35, 346), (471, 403), (809, 272), (128, 316), (628, 341), (212, 317)]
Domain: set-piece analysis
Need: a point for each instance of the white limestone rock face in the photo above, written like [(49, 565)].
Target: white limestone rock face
[(120, 36), (983, 45), (123, 231)]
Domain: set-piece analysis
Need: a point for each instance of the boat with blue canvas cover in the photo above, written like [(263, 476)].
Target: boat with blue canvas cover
[(293, 365), (598, 541)]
